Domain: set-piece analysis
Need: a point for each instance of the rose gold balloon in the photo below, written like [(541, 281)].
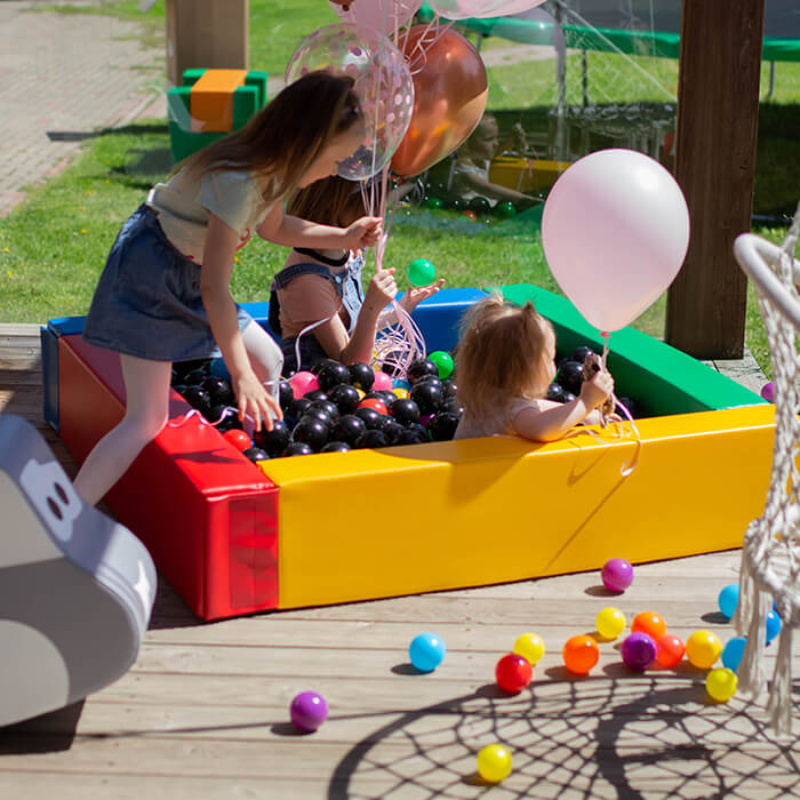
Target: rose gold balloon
[(450, 96)]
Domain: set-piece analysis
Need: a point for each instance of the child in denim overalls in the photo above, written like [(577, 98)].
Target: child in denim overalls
[(317, 304), (164, 294)]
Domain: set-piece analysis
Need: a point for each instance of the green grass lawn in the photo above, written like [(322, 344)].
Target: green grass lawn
[(53, 246)]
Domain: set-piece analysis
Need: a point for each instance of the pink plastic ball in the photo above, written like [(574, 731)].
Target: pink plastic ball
[(768, 392), (617, 575), (303, 382), (308, 711), (383, 382)]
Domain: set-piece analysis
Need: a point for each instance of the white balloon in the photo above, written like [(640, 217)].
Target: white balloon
[(615, 231)]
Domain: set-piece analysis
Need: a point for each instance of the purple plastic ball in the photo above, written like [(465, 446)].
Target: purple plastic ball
[(638, 651), (768, 392), (308, 711), (617, 575)]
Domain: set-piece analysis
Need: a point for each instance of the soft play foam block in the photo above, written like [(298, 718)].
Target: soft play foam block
[(76, 588), (203, 509)]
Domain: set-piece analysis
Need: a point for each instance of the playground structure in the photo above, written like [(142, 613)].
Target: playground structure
[(233, 539)]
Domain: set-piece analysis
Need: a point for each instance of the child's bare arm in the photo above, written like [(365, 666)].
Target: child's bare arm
[(220, 247), (550, 421), (289, 231)]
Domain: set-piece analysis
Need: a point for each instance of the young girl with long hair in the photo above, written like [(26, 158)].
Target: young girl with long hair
[(164, 295)]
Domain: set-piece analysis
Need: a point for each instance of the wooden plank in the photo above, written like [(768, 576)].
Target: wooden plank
[(717, 131)]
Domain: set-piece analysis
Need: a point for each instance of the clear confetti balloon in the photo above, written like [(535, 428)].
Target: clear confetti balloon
[(382, 81)]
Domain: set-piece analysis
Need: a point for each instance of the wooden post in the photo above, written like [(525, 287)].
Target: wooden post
[(717, 133), (206, 33)]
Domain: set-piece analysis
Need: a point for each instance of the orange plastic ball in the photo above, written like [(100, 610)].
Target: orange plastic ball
[(650, 623), (374, 404), (580, 654), (669, 650), (238, 438)]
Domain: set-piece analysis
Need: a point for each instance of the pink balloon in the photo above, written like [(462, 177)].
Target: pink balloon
[(615, 230), (462, 9), (383, 16)]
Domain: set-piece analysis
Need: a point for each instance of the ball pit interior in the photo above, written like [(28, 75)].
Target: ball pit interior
[(233, 537)]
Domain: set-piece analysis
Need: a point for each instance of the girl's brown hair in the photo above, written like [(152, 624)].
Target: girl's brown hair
[(287, 135), (330, 201), (500, 355)]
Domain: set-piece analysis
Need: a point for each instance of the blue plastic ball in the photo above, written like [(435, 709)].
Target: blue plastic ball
[(773, 625), (399, 383), (729, 599), (732, 653), (426, 651)]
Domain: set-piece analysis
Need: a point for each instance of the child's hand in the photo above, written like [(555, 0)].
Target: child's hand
[(595, 391), (256, 401), (381, 290), (416, 294), (364, 232)]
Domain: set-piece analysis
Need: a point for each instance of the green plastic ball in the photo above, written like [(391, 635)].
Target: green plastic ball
[(433, 202), (506, 209), (421, 272), (444, 363)]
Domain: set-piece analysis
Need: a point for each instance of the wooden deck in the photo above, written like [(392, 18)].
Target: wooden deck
[(203, 714)]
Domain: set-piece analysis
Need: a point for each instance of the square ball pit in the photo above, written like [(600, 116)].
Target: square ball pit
[(233, 538)]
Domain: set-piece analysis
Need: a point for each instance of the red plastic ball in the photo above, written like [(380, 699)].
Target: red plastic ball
[(374, 404), (580, 654), (238, 438), (669, 650), (513, 673), (471, 215)]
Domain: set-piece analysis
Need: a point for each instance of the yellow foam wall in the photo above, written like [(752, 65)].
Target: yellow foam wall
[(369, 524)]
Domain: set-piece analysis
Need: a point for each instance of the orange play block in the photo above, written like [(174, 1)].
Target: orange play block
[(211, 100)]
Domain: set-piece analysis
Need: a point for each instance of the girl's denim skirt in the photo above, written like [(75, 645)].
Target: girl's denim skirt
[(147, 302)]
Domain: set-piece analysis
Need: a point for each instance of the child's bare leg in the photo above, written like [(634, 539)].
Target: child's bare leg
[(146, 413), (265, 356)]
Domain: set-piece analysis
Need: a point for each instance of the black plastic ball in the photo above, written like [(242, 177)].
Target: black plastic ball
[(630, 404), (329, 407), (345, 397), (479, 204), (579, 353), (555, 392), (442, 426), (391, 430), (195, 377), (297, 449), (255, 454), (420, 430), (410, 437), (311, 431), (347, 429), (405, 411), (427, 395), (219, 389), (198, 398), (393, 364), (421, 367), (570, 376), (449, 388), (332, 375), (453, 405), (372, 438), (297, 408), (315, 394), (274, 442), (335, 447), (285, 394), (371, 418), (317, 413), (321, 364), (361, 376)]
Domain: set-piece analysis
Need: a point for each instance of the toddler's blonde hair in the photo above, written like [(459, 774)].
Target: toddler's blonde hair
[(501, 355)]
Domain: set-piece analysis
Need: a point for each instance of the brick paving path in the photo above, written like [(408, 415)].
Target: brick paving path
[(63, 76)]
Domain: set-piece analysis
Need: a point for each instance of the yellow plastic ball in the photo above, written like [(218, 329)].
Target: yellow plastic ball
[(361, 394), (721, 684), (610, 622), (703, 648), (494, 763), (530, 647), (401, 393)]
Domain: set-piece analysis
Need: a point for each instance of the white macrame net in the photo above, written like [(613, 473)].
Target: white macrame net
[(770, 567)]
